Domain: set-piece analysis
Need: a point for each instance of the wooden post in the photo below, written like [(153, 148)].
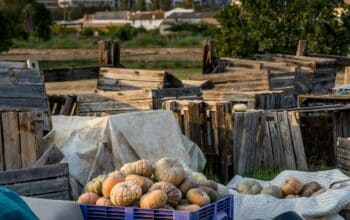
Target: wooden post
[(302, 48), (116, 54), (209, 57), (105, 53), (347, 75)]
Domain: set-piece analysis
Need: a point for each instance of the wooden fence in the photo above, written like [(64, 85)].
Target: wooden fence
[(21, 135), (243, 143), (48, 182)]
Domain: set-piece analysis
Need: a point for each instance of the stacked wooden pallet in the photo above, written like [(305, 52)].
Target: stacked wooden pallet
[(63, 104), (314, 75), (253, 100), (316, 100), (118, 79), (48, 182), (343, 155), (21, 136)]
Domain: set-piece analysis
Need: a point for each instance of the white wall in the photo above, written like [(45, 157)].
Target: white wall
[(147, 24)]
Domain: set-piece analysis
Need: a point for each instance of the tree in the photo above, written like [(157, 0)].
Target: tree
[(141, 5), (275, 26), (5, 33), (155, 4), (124, 5), (165, 4)]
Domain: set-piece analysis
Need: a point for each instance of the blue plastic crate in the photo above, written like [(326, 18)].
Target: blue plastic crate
[(221, 210)]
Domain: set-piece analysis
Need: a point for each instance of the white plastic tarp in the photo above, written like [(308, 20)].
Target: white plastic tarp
[(93, 146), (324, 206)]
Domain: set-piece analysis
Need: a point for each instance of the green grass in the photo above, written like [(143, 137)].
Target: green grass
[(180, 69), (142, 40), (266, 174)]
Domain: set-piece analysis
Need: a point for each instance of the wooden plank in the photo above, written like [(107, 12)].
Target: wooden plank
[(11, 138), (64, 195), (52, 155), (276, 141), (254, 85), (347, 75), (33, 174), (268, 160), (66, 108), (23, 104), (231, 77), (114, 105), (105, 53), (29, 147), (220, 126), (344, 143), (132, 74), (21, 77), (116, 95), (227, 150), (238, 126), (70, 74), (41, 187), (176, 92), (259, 149), (203, 84), (343, 153), (121, 84), (23, 91), (2, 159), (302, 49), (195, 109), (298, 144), (286, 140)]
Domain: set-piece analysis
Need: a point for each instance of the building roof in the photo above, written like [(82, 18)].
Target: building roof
[(193, 15), (113, 15), (147, 15)]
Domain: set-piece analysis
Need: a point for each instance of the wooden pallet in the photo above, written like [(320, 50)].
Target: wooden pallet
[(118, 79), (70, 74), (49, 182), (343, 155), (21, 135), (253, 100), (28, 64), (63, 104), (316, 100)]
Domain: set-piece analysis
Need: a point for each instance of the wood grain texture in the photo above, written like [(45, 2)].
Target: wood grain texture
[(29, 147), (11, 138)]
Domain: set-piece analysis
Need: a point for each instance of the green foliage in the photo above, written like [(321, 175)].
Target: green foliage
[(155, 4), (5, 33), (27, 16), (275, 26), (124, 5), (165, 5), (88, 32), (202, 29), (141, 5), (124, 33)]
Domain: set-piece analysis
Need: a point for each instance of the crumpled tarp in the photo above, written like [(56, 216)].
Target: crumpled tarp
[(323, 206), (94, 146)]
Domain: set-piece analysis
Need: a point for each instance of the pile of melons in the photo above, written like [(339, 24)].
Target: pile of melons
[(292, 188), (165, 185)]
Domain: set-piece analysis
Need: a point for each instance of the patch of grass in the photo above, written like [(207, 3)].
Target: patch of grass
[(48, 64), (264, 174)]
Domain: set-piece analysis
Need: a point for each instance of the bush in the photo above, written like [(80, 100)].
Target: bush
[(88, 32), (123, 33)]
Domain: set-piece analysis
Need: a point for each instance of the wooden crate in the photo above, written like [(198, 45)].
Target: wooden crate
[(48, 182), (70, 74), (117, 79), (343, 155), (24, 90), (27, 64), (208, 124), (253, 100), (313, 76), (21, 136)]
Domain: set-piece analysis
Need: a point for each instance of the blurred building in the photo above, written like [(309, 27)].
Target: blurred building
[(87, 3)]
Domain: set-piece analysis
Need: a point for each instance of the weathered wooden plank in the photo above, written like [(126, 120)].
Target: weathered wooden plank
[(29, 147), (121, 84), (238, 126), (116, 95), (52, 155), (20, 77), (114, 105), (298, 144), (66, 108), (343, 153), (276, 141), (105, 53), (231, 77), (195, 109), (344, 143), (33, 174), (220, 127), (70, 74), (132, 74), (286, 140), (227, 150), (176, 92), (41, 187), (253, 85), (259, 149), (203, 84), (23, 104), (344, 164), (64, 195), (268, 159), (23, 91), (11, 138)]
